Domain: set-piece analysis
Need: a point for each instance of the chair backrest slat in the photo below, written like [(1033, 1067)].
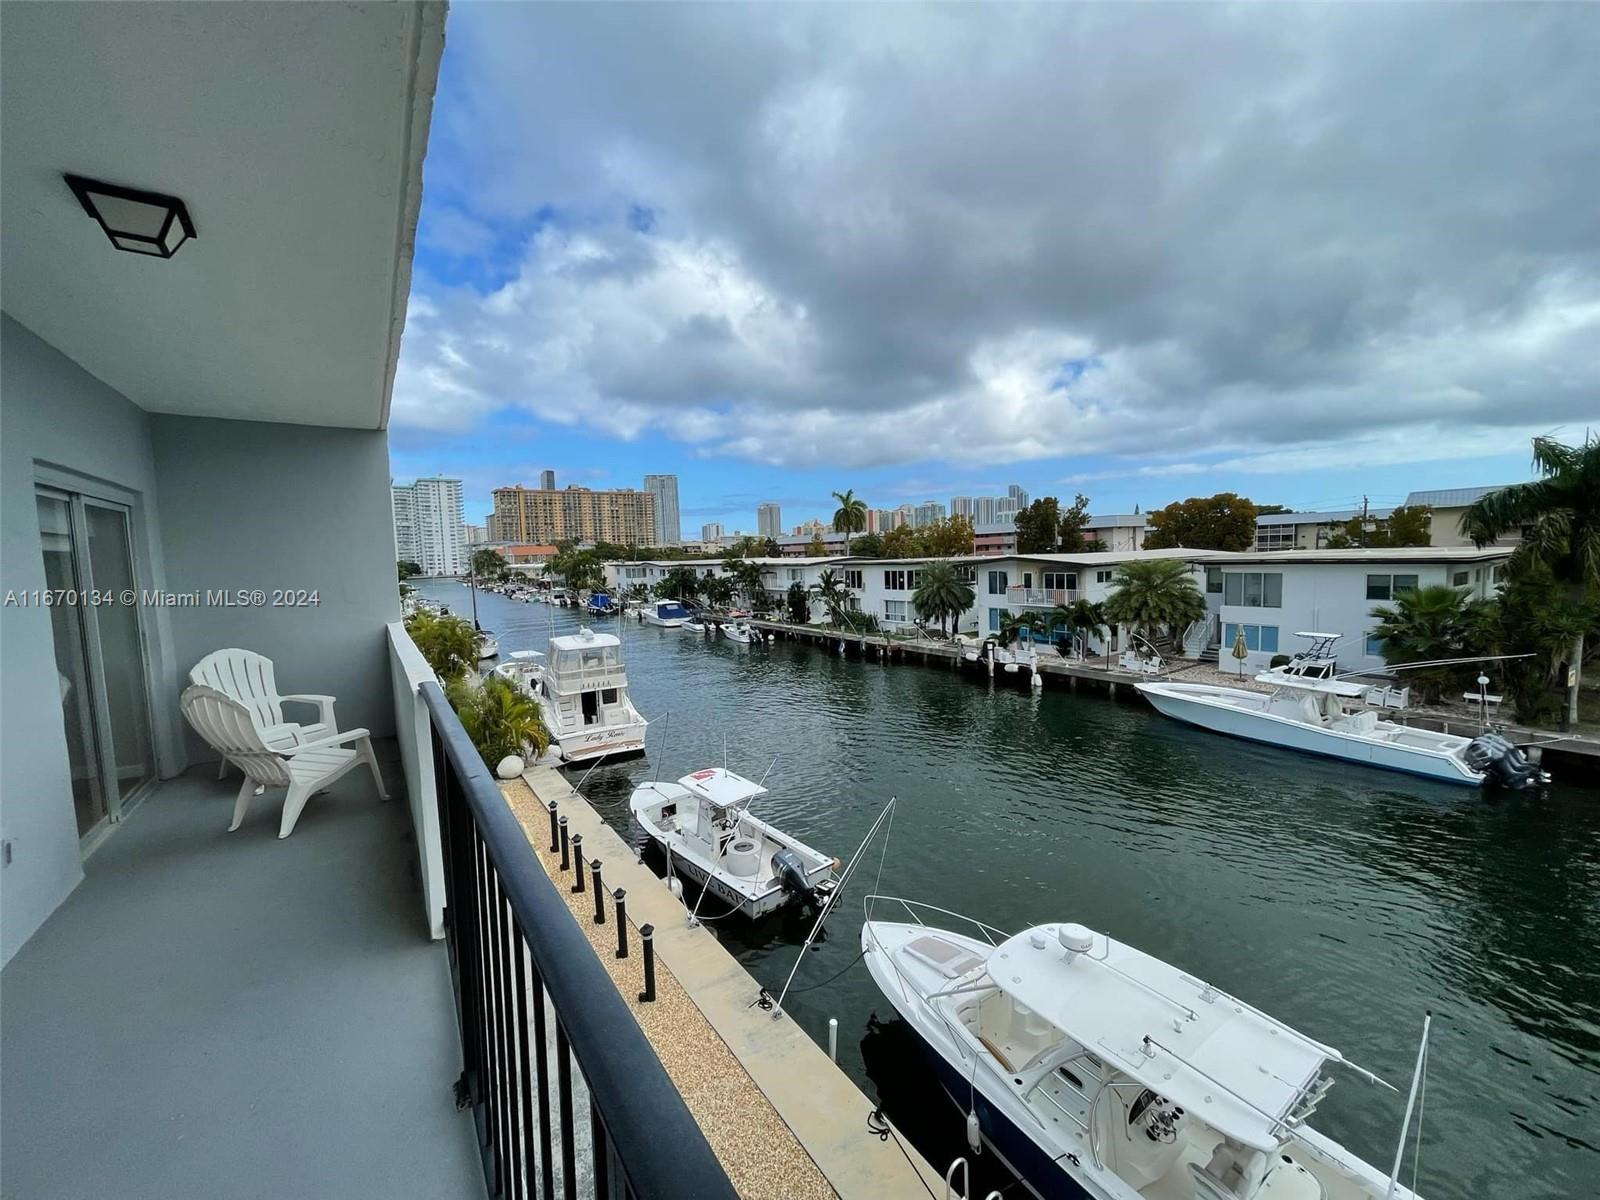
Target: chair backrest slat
[(246, 676), (229, 728)]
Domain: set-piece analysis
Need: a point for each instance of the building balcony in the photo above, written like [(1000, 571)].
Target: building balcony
[(1041, 597)]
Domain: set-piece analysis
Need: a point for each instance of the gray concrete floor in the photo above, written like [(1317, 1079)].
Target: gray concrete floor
[(227, 1015)]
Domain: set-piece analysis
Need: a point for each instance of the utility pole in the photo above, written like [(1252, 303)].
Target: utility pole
[(1363, 522)]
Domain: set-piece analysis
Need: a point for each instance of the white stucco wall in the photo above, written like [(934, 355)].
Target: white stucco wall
[(60, 425), (258, 505)]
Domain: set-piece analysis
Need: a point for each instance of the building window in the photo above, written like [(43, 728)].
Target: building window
[(1060, 581), (852, 579), (1253, 589), (1276, 537), (896, 581), (796, 574), (1214, 580), (1374, 646), (1459, 579), (1387, 587), (1257, 638), (1103, 576), (997, 584), (895, 611), (969, 574), (994, 620)]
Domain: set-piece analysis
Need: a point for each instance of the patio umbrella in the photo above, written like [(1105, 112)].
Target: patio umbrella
[(1240, 650)]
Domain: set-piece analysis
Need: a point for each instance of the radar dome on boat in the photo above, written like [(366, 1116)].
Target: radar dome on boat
[(1075, 938)]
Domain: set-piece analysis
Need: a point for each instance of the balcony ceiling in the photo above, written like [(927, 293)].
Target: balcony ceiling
[(294, 133)]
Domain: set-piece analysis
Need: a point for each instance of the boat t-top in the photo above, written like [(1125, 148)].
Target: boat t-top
[(667, 613), (1306, 711), (703, 825), (582, 692), (1093, 1069)]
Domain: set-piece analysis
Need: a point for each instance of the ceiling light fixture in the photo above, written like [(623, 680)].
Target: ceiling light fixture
[(136, 221)]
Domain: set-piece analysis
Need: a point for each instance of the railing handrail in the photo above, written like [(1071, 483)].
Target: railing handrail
[(662, 1150)]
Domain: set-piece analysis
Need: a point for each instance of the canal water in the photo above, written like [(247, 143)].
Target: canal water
[(1344, 901)]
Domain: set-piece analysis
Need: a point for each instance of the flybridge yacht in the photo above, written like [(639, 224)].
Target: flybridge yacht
[(703, 824), (1306, 711), (582, 691), (1093, 1069)]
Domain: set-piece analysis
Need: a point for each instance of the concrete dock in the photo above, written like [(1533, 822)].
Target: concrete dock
[(784, 1120)]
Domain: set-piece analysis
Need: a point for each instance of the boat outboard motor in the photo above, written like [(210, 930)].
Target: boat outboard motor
[(1502, 762), (791, 872)]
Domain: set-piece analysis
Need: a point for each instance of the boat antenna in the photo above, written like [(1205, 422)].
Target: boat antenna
[(1417, 1078), (661, 753), (827, 907), (472, 582), (768, 771)]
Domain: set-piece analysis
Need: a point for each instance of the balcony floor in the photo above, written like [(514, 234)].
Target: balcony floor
[(214, 1014)]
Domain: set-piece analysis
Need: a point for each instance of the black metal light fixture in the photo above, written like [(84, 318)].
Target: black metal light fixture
[(137, 221)]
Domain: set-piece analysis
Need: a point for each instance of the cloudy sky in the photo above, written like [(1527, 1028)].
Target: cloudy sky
[(1139, 251)]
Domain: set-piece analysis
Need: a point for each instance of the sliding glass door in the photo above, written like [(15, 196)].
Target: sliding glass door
[(99, 649)]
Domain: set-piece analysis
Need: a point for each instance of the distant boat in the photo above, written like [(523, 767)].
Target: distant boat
[(740, 631), (702, 822), (1092, 1069), (666, 613), (695, 625), (600, 605), (488, 646)]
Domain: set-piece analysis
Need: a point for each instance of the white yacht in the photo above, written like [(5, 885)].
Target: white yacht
[(1093, 1069), (582, 691), (667, 613), (1308, 714), (488, 646), (703, 825)]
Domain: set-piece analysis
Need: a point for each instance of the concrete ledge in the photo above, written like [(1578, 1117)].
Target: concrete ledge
[(823, 1110)]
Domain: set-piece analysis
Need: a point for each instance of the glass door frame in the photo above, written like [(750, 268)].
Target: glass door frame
[(77, 502)]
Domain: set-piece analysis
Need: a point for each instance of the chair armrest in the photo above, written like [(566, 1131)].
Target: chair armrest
[(324, 703), (349, 735)]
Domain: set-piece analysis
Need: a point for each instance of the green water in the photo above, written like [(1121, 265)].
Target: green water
[(1343, 900)]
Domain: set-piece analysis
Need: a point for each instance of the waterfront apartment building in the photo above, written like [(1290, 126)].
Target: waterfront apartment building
[(665, 490), (541, 516), (428, 529), (769, 519)]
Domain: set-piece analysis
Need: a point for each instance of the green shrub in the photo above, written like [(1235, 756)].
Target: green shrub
[(499, 718), (449, 643)]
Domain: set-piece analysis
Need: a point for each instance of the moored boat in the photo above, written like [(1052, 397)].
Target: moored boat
[(704, 826), (1093, 1069), (582, 692), (666, 613), (488, 645)]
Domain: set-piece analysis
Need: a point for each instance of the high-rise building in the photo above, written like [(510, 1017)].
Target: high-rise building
[(428, 529), (905, 514), (769, 520), (547, 481), (538, 516), (1019, 498), (711, 531), (961, 506), (926, 513), (477, 535), (665, 489)]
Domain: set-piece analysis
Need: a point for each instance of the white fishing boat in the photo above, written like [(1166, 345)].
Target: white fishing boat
[(488, 646), (695, 625), (1308, 714), (703, 825), (740, 631), (582, 692), (667, 613), (1093, 1069)]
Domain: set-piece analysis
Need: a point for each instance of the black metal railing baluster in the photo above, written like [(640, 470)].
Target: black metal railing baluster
[(569, 1166), (491, 1066), (542, 1072), (525, 1078), (509, 1125), (597, 1144)]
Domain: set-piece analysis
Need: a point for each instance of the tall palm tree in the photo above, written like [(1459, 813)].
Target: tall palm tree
[(1086, 618), (1154, 596), (1562, 511), (1429, 623), (719, 590), (851, 515), (830, 589), (942, 594), (746, 576), (1012, 624), (680, 583)]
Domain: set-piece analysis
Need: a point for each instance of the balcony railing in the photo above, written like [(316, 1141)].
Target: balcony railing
[(1040, 597), (515, 952)]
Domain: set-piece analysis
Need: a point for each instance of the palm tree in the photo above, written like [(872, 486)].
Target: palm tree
[(830, 589), (942, 594), (1086, 618), (1562, 513), (746, 577), (1012, 624), (1154, 596), (1430, 623), (719, 590), (499, 718), (851, 515), (680, 583), (449, 643)]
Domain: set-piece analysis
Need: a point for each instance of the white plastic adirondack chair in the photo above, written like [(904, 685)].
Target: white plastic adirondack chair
[(247, 677), (305, 768)]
